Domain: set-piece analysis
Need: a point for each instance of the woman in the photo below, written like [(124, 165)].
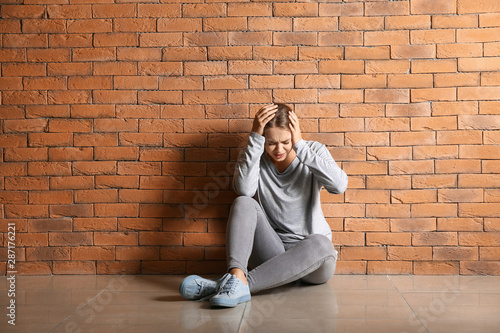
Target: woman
[(282, 234)]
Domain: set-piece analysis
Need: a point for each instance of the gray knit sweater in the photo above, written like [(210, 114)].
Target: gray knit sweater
[(290, 200)]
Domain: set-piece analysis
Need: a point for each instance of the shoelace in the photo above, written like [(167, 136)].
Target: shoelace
[(229, 286), (227, 279)]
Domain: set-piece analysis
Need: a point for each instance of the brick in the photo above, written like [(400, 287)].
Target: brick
[(353, 224), (407, 22), (136, 25), (341, 67), (116, 39), (490, 79), (141, 196), (160, 154), (454, 166), (284, 81), (363, 253), (435, 268), (295, 95), (488, 20), (103, 181), (205, 68), (229, 52), (405, 110), (350, 267), (47, 225), (14, 197), (184, 53), (432, 7), (478, 210), (348, 238), (319, 52), (456, 80), (386, 37), (340, 38), (205, 97), (478, 64), (482, 6), (294, 38), (388, 182), (26, 183), (479, 152), (489, 253), (14, 169), (387, 96), (115, 68), (162, 210), (159, 10), (386, 238), (70, 40), (25, 125), (140, 139), (71, 210), (438, 36), (370, 168), (389, 267), (250, 96), (38, 26), (160, 238), (292, 67), (206, 39), (479, 268), (74, 267), (367, 53), (479, 122), (460, 137), (459, 224), (434, 123), (409, 253), (116, 209), (181, 111), (477, 93), (48, 253), (63, 68), (93, 253), (413, 196), (492, 224), (25, 11), (116, 153), (341, 96), (433, 66), (114, 96), (139, 168), (413, 51), (89, 26), (409, 80), (366, 139), (388, 210), (295, 9), (31, 239), (410, 167), (454, 21), (388, 153), (386, 66), (477, 35), (413, 224), (50, 197), (434, 94), (359, 23)]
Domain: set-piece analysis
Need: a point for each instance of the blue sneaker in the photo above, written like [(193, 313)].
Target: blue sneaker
[(231, 291), (195, 287)]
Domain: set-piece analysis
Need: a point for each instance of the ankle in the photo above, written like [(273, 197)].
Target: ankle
[(239, 274)]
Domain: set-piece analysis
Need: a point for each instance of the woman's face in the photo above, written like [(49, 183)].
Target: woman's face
[(278, 143)]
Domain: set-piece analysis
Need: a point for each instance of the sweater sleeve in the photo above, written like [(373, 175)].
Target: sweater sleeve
[(322, 165), (246, 172)]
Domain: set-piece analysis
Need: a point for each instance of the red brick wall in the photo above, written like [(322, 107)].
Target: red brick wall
[(121, 122)]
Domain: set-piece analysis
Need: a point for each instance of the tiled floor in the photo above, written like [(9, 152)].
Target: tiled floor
[(345, 304)]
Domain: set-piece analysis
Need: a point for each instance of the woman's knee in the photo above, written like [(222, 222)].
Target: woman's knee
[(245, 201), (321, 244), (323, 273)]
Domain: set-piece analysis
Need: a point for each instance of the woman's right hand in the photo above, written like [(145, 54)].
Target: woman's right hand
[(262, 117)]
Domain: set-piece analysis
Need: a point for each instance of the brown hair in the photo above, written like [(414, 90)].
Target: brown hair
[(280, 119)]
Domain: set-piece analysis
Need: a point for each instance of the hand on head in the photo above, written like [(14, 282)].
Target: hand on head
[(262, 117), (294, 127)]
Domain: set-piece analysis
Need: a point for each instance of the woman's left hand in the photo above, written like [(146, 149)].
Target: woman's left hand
[(294, 127)]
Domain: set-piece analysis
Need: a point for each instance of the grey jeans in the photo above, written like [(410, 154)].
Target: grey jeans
[(252, 242)]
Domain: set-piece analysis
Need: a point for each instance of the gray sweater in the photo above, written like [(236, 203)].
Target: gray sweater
[(290, 200)]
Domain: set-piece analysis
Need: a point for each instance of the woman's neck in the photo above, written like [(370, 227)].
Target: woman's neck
[(283, 165)]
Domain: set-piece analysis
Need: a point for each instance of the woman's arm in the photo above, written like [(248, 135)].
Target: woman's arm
[(246, 172), (318, 159), (323, 166)]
